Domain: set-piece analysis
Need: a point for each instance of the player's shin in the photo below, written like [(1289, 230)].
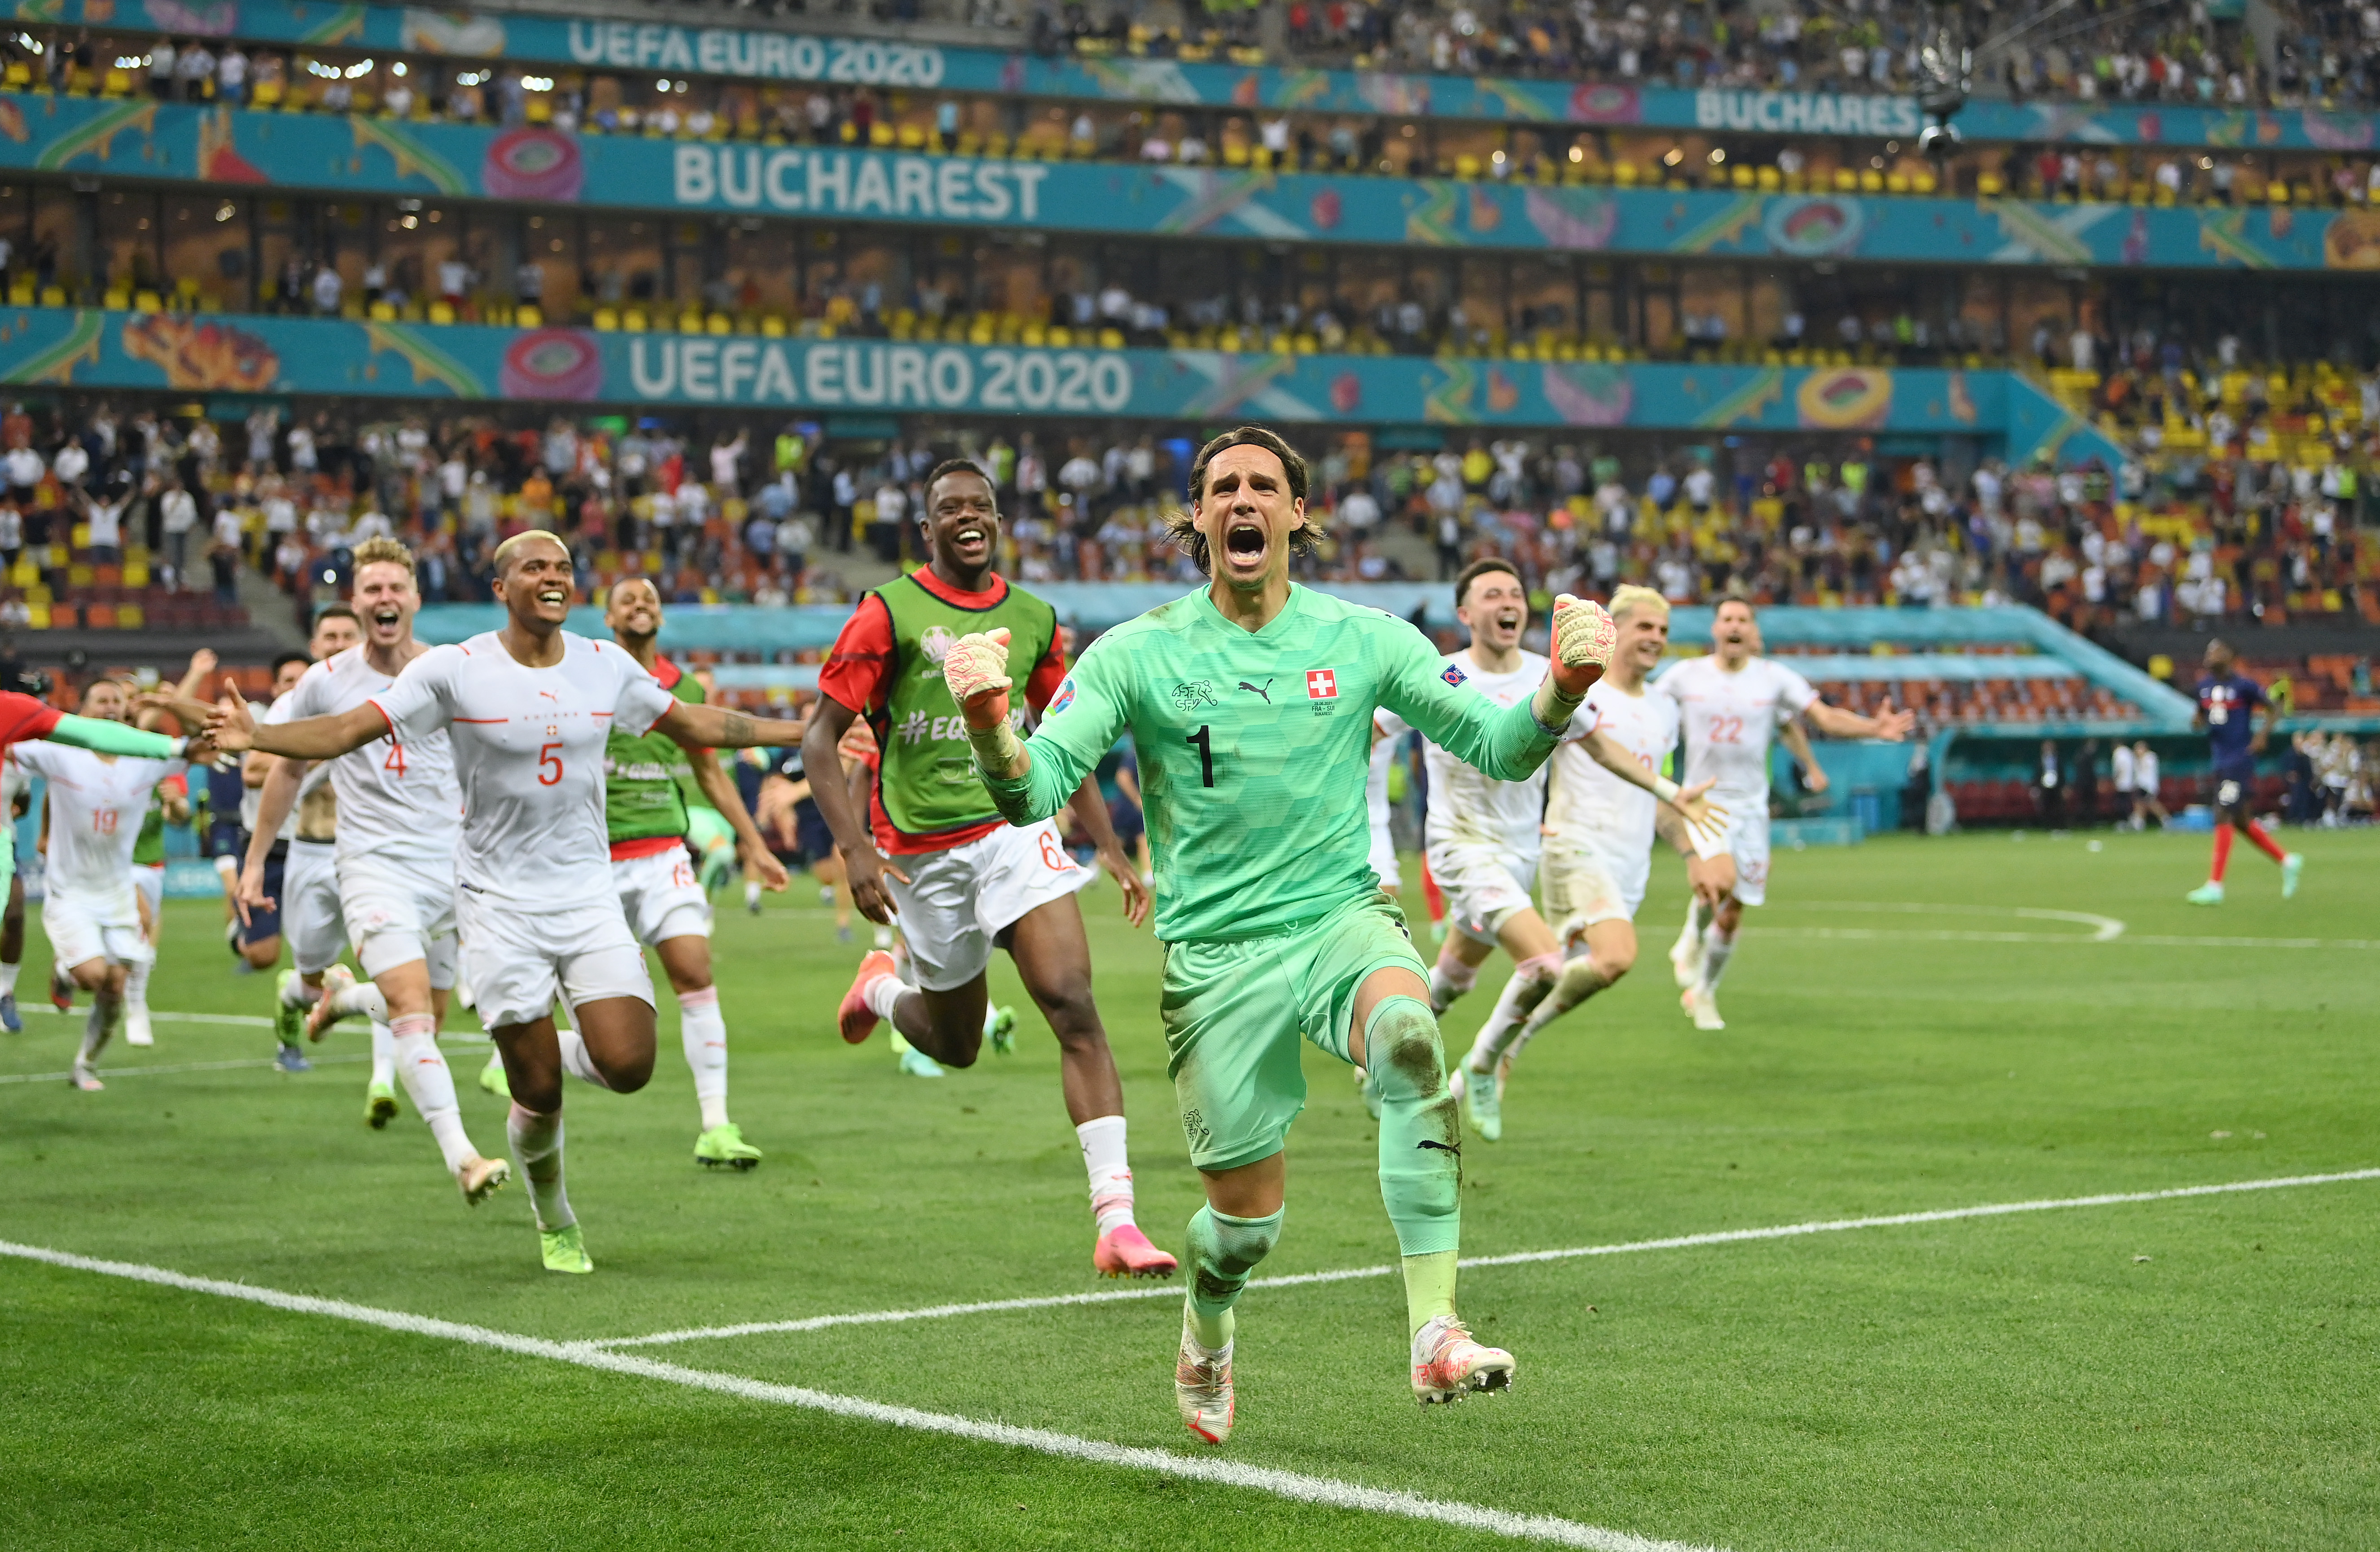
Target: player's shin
[(537, 1149), (1580, 980), (1719, 946), (704, 1032), (1421, 1151), (1533, 981), (1108, 1165), (413, 1043), (1223, 1250)]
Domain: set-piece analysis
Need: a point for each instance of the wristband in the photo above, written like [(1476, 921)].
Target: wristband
[(181, 746), (1665, 789), (995, 749), (1552, 708)]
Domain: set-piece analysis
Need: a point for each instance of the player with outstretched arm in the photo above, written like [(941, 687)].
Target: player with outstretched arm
[(1274, 925)]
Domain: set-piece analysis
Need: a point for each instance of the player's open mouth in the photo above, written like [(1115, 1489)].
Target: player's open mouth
[(552, 596), (388, 619), (1244, 541), (1508, 619), (970, 538)]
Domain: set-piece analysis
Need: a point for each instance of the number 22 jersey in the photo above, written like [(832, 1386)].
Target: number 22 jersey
[(1729, 720), (529, 747)]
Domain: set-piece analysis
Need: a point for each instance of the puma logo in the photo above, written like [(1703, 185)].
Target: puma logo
[(1264, 694), (1454, 1148)]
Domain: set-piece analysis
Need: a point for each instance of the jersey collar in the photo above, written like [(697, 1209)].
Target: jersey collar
[(1206, 598), (989, 598)]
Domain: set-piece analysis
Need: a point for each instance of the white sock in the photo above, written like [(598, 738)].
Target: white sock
[(574, 1060), (537, 1152), (883, 993), (884, 937), (413, 1043), (1697, 918), (362, 997), (8, 979), (96, 1028), (383, 1053), (1579, 981), (751, 893), (1109, 1169), (1532, 980), (703, 1031), (1717, 950), (136, 985), (300, 995), (227, 869), (1449, 979)]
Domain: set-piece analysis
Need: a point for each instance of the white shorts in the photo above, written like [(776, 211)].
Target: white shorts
[(82, 930), (1747, 840), (311, 918), (1384, 863), (1583, 886), (521, 959), (957, 901), (662, 896), (399, 910), (1484, 885)]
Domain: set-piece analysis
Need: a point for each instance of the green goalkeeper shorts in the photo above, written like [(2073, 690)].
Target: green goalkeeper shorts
[(1236, 1012)]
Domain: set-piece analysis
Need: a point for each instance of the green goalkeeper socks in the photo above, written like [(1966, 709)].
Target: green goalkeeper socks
[(1420, 1126), (1223, 1251)]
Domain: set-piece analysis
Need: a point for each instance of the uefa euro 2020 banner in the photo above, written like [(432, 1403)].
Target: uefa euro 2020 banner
[(342, 155), (778, 55), (212, 353)]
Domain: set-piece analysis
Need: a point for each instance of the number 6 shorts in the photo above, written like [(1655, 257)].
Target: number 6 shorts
[(1235, 1014), (958, 902)]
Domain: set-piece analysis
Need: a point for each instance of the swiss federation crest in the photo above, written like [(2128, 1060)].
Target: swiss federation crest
[(1190, 697)]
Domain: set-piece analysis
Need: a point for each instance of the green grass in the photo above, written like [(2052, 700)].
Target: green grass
[(2186, 1374)]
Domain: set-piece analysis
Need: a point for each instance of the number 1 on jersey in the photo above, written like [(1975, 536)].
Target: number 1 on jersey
[(1204, 741)]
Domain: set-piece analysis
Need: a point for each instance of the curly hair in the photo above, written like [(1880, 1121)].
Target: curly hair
[(1182, 524)]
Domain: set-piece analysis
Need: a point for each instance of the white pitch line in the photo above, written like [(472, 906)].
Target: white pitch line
[(114, 1072), (242, 1020), (1631, 1247), (1329, 1492)]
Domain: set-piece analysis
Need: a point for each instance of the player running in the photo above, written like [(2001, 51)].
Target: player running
[(935, 851), (2235, 712), (1731, 703), (531, 708), (1251, 704), (391, 862), (652, 787), (1605, 798), (95, 794)]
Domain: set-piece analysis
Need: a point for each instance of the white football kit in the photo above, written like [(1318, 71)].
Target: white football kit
[(1376, 803), (535, 900), (959, 900), (89, 908), (1482, 837), (1599, 828), (400, 826), (310, 918), (1728, 721)]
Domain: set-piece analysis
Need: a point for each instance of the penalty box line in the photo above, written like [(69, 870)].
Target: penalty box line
[(1523, 1258), (1329, 1492)]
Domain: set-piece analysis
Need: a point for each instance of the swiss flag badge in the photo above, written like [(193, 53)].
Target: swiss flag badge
[(1321, 684)]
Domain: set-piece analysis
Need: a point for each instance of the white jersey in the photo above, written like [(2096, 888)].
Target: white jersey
[(529, 754), (1728, 721), (2126, 771), (96, 806), (1467, 807), (1587, 802), (396, 798)]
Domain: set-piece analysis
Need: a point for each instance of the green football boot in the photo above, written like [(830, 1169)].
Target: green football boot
[(725, 1145), (492, 1077), (564, 1250), (2205, 894), (289, 1018), (380, 1104), (999, 1028)]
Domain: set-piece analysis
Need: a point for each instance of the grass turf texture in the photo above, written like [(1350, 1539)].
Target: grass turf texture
[(2018, 1382)]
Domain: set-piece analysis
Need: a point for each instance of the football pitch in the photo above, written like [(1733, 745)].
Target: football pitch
[(1915, 1254)]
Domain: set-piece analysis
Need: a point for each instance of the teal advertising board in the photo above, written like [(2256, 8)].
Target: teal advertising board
[(792, 57), (367, 154), (214, 353)]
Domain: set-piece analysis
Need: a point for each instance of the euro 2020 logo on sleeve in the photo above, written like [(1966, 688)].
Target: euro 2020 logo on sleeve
[(1065, 698)]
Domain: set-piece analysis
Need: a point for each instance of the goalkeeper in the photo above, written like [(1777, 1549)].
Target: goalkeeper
[(1250, 703)]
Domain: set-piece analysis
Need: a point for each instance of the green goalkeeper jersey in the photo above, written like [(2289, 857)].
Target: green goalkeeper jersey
[(1255, 747)]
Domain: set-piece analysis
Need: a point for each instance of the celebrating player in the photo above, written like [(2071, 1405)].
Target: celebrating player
[(2234, 710), (960, 879), (647, 813), (398, 821), (1731, 704), (1606, 795), (1251, 704), (96, 795), (530, 707)]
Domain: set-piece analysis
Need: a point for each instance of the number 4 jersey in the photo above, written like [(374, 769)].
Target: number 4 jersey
[(395, 798), (529, 747)]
